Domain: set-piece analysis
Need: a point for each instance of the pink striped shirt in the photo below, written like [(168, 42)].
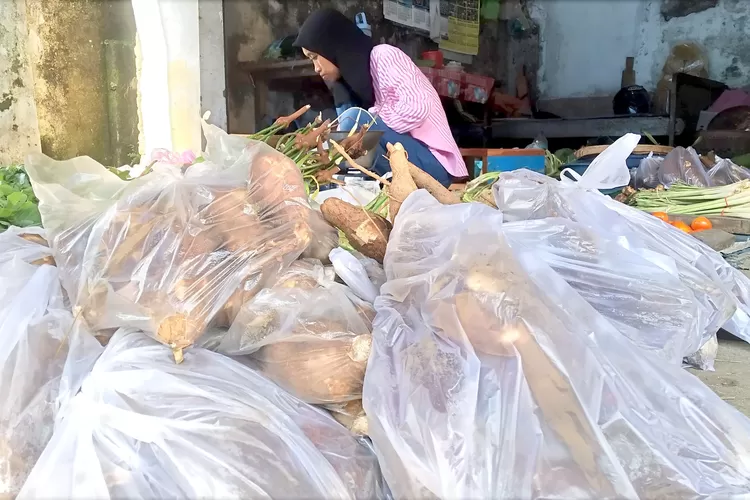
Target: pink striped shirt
[(408, 103)]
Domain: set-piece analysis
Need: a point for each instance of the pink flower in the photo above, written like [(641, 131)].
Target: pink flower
[(173, 158)]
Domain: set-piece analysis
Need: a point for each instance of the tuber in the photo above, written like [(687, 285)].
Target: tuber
[(367, 232), (351, 415), (402, 184), (285, 121), (318, 371), (423, 180), (310, 139)]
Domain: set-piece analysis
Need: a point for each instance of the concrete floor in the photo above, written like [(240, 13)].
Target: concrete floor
[(731, 380)]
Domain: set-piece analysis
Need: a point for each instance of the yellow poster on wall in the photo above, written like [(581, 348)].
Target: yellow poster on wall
[(459, 26)]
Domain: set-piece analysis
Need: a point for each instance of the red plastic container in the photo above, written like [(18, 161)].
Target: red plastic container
[(477, 88), (434, 55), (448, 83)]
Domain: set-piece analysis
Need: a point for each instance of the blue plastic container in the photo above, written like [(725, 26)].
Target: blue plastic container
[(509, 163)]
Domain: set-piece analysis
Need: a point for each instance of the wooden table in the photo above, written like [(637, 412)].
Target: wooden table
[(263, 72)]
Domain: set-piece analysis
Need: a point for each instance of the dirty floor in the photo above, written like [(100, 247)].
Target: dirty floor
[(731, 380)]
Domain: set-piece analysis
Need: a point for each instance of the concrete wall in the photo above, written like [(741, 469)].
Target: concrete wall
[(212, 61), (585, 42), (59, 90), (19, 130), (66, 53)]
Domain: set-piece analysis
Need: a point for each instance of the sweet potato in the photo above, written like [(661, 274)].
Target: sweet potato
[(402, 184), (367, 232), (318, 371)]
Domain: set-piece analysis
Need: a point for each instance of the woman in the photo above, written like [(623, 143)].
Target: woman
[(384, 80)]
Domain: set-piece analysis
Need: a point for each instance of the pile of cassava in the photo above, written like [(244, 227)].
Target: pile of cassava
[(228, 254)]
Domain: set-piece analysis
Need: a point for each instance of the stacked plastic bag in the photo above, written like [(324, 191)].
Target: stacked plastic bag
[(165, 252), (145, 427), (306, 332), (44, 354), (511, 385), (645, 302), (165, 257), (722, 291), (684, 165)]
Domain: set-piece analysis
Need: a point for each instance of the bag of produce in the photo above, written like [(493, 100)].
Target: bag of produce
[(721, 290), (164, 252), (43, 354), (727, 172), (308, 333), (145, 427), (491, 377), (683, 165), (648, 304)]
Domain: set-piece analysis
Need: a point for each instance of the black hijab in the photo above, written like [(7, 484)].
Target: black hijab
[(331, 34)]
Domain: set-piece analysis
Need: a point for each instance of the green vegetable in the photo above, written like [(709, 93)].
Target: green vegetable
[(18, 204), (479, 189), (553, 163), (732, 200)]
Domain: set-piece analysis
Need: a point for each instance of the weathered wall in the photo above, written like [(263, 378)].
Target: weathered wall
[(212, 61), (251, 25), (585, 42), (66, 54), (19, 132)]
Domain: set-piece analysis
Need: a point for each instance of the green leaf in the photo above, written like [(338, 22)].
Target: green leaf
[(17, 198)]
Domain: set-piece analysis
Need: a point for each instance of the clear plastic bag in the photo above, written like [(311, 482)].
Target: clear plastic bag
[(608, 170), (722, 291), (727, 172), (646, 176), (351, 269), (307, 333), (145, 427), (163, 253), (683, 165), (43, 355), (28, 244), (490, 377), (646, 303)]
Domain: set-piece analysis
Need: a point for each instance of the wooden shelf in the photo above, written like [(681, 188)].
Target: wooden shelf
[(261, 73), (274, 70), (615, 126)]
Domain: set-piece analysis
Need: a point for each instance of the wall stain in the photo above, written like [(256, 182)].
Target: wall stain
[(6, 101), (69, 84)]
